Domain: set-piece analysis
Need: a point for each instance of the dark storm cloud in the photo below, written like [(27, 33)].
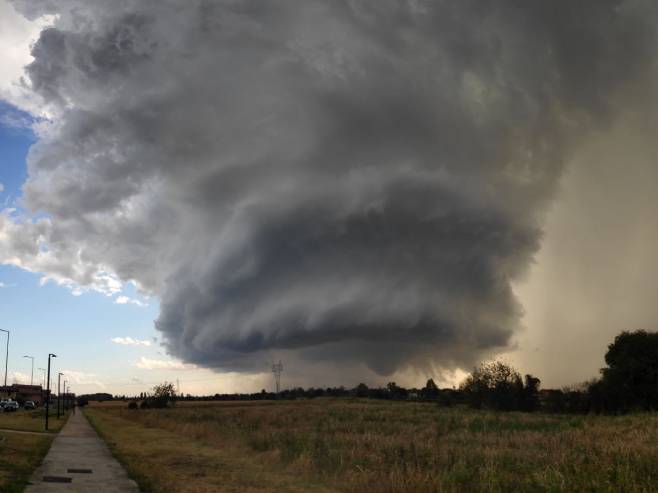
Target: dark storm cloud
[(345, 181)]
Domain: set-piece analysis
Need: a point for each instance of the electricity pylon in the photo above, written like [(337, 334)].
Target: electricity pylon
[(277, 368)]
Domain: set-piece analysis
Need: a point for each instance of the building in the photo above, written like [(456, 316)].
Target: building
[(22, 393)]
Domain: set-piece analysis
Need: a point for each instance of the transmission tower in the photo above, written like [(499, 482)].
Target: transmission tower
[(277, 368)]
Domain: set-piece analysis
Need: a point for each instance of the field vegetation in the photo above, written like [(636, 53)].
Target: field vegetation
[(357, 445), (32, 420), (20, 454)]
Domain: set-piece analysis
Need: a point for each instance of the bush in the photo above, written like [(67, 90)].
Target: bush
[(132, 405), (144, 405)]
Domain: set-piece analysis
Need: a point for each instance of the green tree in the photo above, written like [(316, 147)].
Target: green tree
[(362, 390), (631, 377), (395, 391), (499, 386), (164, 394), (430, 391)]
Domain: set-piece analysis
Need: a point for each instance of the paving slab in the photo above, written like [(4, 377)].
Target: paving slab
[(80, 461)]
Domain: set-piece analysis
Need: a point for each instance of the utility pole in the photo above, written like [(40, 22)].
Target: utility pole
[(6, 356), (277, 368), (31, 374), (48, 388), (59, 394)]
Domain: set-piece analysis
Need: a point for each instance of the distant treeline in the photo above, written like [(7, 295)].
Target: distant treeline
[(628, 383), (99, 397)]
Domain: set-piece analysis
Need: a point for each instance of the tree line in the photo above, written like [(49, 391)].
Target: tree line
[(629, 382)]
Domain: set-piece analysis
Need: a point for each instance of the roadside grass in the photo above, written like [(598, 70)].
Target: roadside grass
[(367, 445), (162, 461), (32, 420), (20, 454)]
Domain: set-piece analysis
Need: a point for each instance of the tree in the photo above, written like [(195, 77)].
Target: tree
[(631, 377), (163, 395), (530, 397), (396, 392), (430, 391), (499, 386), (362, 390)]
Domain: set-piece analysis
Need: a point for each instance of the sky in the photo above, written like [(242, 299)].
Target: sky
[(367, 191)]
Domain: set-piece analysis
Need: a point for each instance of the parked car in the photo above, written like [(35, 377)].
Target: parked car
[(4, 401), (10, 407), (29, 405)]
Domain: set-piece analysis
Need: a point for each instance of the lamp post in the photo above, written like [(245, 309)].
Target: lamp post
[(6, 356), (44, 377), (65, 405), (31, 374), (59, 394), (48, 388)]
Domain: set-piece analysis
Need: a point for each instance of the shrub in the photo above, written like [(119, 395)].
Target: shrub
[(132, 405)]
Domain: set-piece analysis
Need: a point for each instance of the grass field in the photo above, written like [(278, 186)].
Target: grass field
[(378, 446), (31, 420), (20, 454)]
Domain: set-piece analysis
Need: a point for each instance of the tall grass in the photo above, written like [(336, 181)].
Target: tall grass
[(382, 446)]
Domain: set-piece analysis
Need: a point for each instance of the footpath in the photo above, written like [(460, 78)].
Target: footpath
[(79, 461)]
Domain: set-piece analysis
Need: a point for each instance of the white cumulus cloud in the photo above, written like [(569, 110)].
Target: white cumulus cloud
[(125, 300), (17, 35), (81, 378), (129, 341), (158, 364)]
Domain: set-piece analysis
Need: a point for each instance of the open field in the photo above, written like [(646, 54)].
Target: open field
[(31, 420), (378, 446), (20, 454)]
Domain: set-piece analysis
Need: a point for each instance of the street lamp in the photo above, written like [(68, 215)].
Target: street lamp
[(6, 356), (48, 388), (59, 394), (44, 377), (64, 406), (31, 374)]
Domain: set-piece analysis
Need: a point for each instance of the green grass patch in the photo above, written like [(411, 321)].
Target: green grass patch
[(20, 454), (34, 420)]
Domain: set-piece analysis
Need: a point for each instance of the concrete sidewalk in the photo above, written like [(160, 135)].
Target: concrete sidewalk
[(79, 461)]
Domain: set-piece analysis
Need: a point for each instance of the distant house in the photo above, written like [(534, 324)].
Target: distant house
[(22, 393)]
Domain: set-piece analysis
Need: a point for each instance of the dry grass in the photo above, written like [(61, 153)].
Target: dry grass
[(164, 461), (379, 446), (31, 420), (20, 454), (195, 404)]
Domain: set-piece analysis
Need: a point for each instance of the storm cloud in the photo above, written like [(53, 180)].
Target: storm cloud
[(346, 181)]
